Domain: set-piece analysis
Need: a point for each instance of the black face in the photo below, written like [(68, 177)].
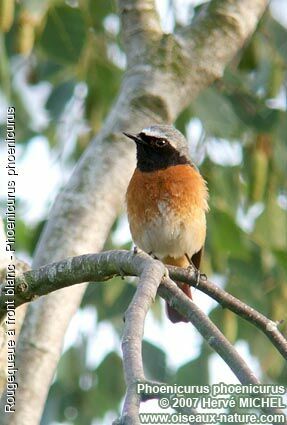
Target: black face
[(156, 153)]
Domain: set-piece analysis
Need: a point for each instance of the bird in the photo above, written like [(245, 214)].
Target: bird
[(167, 202)]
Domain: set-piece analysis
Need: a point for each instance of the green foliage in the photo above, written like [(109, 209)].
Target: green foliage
[(59, 97), (271, 227), (111, 298), (195, 371), (155, 362), (64, 34), (111, 386), (73, 45), (219, 118), (80, 394), (226, 236)]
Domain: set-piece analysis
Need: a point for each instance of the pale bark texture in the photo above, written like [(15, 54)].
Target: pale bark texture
[(32, 284), (20, 312), (165, 73)]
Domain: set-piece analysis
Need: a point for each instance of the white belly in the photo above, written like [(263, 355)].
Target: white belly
[(170, 235)]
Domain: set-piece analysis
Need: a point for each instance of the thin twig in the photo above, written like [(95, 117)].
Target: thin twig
[(225, 299), (178, 300), (171, 293), (99, 267), (149, 282)]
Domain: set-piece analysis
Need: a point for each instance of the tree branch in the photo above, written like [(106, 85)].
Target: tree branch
[(177, 299), (150, 279), (5, 259), (140, 26), (171, 293), (99, 267), (243, 310)]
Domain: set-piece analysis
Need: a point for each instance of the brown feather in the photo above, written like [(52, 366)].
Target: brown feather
[(196, 258), (173, 315)]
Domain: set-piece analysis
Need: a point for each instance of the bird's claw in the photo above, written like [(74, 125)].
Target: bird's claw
[(136, 250), (196, 272), (203, 277), (198, 275), (166, 273), (121, 273), (153, 255)]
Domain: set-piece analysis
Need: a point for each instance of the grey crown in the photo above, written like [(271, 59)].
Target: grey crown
[(171, 134)]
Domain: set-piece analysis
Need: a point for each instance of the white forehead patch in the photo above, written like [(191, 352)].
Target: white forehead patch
[(151, 132), (158, 134)]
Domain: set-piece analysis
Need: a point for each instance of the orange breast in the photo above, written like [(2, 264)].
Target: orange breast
[(181, 186), (178, 195)]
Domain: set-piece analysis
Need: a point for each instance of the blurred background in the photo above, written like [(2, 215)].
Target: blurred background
[(61, 65)]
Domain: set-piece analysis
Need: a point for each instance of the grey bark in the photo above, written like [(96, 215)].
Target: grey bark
[(30, 285), (165, 72), (152, 273), (5, 259)]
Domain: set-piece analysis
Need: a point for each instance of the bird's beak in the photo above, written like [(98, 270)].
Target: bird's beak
[(134, 137)]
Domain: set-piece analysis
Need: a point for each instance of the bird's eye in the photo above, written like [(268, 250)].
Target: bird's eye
[(160, 143)]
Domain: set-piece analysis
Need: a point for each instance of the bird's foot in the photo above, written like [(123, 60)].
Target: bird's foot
[(203, 277), (166, 273), (197, 275), (194, 270), (153, 255), (121, 273), (136, 250)]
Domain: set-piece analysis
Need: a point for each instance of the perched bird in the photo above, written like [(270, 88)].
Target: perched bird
[(167, 201)]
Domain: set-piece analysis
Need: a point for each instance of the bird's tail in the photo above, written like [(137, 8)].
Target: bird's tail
[(172, 314)]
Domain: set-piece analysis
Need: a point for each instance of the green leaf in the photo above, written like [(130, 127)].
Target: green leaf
[(110, 388), (230, 325), (281, 257), (271, 227), (280, 148), (224, 185), (23, 236), (103, 79), (71, 365), (111, 298), (59, 97), (216, 114), (45, 70), (246, 280), (154, 362), (64, 34), (253, 112), (225, 236), (194, 372), (97, 14), (278, 35)]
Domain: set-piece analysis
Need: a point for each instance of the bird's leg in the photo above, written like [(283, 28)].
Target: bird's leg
[(153, 255), (136, 250), (166, 272), (121, 273), (194, 269), (203, 276)]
